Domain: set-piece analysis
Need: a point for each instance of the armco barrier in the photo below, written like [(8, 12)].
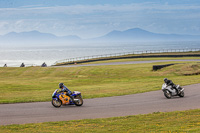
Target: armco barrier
[(113, 58), (157, 67), (135, 54)]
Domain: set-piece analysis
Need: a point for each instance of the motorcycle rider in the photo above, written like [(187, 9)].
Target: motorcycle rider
[(65, 89), (170, 83)]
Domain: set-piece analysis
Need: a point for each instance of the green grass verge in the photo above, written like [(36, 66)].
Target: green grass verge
[(31, 84), (176, 122)]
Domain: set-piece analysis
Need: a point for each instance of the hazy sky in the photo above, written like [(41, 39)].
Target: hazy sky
[(92, 18)]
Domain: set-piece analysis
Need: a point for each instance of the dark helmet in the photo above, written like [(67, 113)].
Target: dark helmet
[(165, 79), (61, 85)]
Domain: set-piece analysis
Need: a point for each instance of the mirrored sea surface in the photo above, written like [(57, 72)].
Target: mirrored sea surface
[(37, 55)]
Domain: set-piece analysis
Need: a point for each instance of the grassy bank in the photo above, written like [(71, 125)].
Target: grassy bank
[(179, 121), (31, 84)]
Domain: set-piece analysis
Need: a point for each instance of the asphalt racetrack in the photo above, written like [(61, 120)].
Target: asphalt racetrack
[(142, 103)]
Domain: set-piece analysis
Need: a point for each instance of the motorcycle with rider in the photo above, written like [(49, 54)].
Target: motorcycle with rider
[(66, 97), (170, 89)]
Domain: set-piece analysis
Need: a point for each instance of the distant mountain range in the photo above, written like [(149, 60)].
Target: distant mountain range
[(138, 34), (132, 35), (34, 38)]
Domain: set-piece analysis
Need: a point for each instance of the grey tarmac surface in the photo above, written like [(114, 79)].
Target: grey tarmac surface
[(142, 103)]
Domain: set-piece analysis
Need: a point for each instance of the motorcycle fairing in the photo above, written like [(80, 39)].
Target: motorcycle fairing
[(165, 87)]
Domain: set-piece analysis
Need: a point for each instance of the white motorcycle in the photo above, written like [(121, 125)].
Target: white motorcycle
[(169, 91)]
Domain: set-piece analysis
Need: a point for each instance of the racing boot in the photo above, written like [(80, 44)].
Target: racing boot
[(71, 98), (179, 90)]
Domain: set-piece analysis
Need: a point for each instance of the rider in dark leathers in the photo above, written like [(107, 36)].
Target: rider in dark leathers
[(170, 83), (65, 89)]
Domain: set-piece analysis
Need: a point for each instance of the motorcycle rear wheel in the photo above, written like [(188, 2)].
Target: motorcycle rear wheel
[(56, 103), (79, 102), (167, 94)]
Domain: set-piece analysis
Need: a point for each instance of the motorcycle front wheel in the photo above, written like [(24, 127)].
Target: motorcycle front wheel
[(167, 94), (78, 101), (181, 94), (56, 103)]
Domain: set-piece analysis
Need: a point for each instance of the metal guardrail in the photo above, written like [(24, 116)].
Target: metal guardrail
[(125, 53)]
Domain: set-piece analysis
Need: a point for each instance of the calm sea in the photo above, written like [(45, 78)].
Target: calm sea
[(49, 55)]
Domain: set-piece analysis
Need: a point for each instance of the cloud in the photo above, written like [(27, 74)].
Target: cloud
[(99, 18), (75, 12), (87, 9), (3, 24)]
